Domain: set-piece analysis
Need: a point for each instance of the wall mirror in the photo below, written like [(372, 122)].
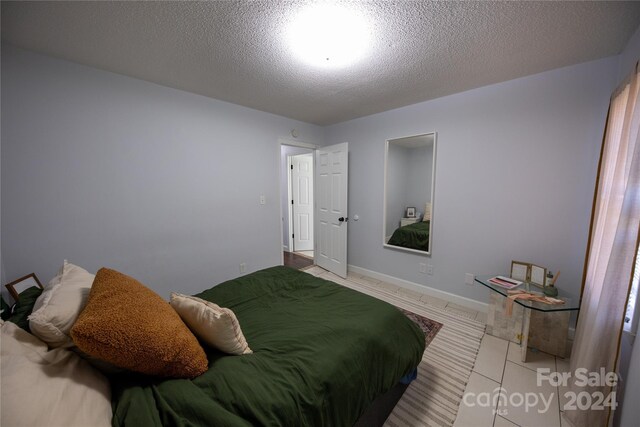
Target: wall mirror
[(409, 172)]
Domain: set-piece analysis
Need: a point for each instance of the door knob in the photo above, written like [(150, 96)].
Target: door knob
[(343, 219)]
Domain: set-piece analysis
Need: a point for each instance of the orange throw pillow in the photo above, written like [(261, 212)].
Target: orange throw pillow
[(130, 326)]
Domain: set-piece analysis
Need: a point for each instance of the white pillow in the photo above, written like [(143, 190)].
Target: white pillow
[(57, 309), (48, 388), (213, 324)]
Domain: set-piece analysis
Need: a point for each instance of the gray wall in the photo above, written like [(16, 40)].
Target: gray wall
[(107, 170), (515, 173), (287, 150)]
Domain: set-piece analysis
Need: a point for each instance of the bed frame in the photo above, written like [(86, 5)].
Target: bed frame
[(380, 409)]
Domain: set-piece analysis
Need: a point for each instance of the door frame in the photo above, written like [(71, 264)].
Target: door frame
[(289, 205), (314, 149)]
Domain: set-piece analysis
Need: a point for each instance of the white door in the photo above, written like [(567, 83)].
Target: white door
[(331, 208), (302, 201)]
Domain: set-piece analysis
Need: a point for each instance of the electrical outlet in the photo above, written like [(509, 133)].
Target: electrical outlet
[(469, 278), (430, 270), (423, 267), (243, 267)]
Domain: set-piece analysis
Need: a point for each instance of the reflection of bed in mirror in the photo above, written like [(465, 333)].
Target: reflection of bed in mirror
[(408, 195), (412, 236)]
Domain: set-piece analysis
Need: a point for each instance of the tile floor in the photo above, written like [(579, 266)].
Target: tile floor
[(499, 371), (497, 365)]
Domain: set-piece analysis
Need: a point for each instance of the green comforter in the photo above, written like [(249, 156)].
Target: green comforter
[(413, 236), (322, 353)]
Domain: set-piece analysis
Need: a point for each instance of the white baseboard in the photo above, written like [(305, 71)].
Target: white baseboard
[(285, 248), (423, 289)]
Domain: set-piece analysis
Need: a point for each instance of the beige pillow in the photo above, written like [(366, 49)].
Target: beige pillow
[(59, 305), (427, 212), (214, 325), (49, 388), (130, 326)]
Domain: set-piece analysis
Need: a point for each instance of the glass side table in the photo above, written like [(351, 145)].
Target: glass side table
[(532, 324)]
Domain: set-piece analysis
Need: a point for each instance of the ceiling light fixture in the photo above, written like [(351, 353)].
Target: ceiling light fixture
[(329, 35)]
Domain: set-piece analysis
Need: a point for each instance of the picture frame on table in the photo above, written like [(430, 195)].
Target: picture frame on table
[(537, 275), (520, 271), (22, 284), (411, 212)]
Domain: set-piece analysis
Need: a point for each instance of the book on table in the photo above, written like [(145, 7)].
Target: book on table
[(505, 282)]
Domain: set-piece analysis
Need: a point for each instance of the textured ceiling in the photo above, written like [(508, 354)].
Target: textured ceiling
[(237, 52)]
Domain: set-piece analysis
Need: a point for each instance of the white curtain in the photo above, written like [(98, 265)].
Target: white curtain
[(613, 244)]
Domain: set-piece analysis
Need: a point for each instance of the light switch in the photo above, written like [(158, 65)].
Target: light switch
[(263, 200)]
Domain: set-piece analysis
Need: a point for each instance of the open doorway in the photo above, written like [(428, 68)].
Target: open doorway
[(301, 206), (297, 205)]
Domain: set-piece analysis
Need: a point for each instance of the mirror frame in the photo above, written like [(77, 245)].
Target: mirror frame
[(384, 202)]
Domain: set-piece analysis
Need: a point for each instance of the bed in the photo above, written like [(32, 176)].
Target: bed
[(322, 354), (412, 236)]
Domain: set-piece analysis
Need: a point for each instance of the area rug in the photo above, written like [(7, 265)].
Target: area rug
[(433, 398), (428, 326)]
